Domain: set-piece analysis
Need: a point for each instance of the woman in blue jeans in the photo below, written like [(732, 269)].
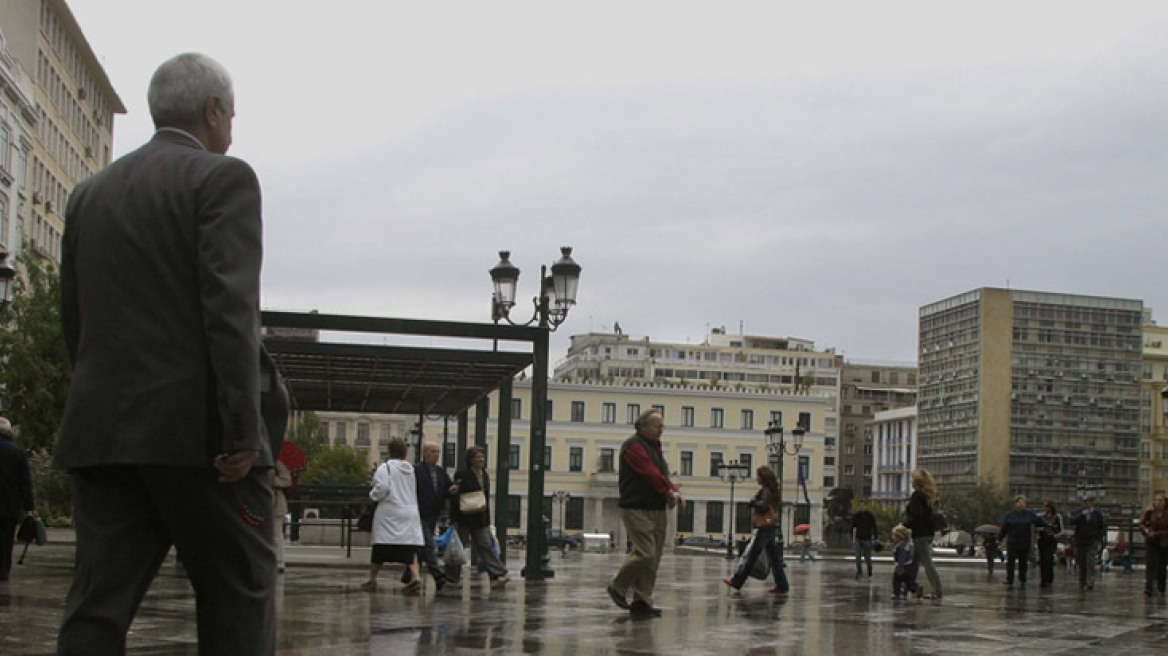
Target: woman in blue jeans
[(766, 511)]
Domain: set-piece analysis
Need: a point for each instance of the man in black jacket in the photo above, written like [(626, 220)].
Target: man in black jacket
[(15, 494), (1018, 530), (434, 488), (1090, 530), (863, 534)]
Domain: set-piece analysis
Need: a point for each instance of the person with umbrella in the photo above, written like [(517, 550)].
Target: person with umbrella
[(16, 501), (1017, 530)]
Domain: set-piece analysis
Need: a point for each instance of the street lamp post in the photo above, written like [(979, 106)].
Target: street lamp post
[(776, 449), (562, 497), (557, 295), (7, 280), (732, 472)]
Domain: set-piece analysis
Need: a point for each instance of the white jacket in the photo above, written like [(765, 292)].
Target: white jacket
[(396, 520)]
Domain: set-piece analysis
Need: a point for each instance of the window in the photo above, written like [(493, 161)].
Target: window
[(513, 457), (829, 461), (804, 469), (1145, 450), (687, 415), (685, 518), (717, 418), (829, 481), (342, 428), (608, 413), (577, 411), (607, 460), (714, 521), (547, 410), (868, 449), (742, 518), (746, 420), (660, 409), (576, 459), (805, 421), (850, 449), (516, 408), (747, 460), (363, 433), (384, 439), (514, 508), (686, 464), (324, 429), (776, 417), (574, 518), (547, 458), (715, 463), (867, 471), (875, 376), (632, 412), (829, 442), (849, 470), (450, 455)]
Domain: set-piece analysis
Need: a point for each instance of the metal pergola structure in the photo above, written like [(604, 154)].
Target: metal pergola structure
[(407, 380)]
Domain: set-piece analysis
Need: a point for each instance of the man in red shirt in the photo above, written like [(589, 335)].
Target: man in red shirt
[(645, 493)]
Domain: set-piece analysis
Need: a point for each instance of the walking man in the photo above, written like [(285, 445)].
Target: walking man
[(15, 494), (1018, 530), (163, 431), (863, 534), (434, 488), (1090, 528), (645, 493)]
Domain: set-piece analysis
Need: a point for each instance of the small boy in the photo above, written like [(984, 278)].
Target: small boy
[(904, 577)]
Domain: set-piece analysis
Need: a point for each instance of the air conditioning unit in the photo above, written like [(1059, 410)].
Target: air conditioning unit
[(81, 93), (48, 206), (37, 198)]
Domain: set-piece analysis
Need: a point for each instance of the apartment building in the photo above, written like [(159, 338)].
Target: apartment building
[(866, 389), (1033, 390), (1153, 436), (18, 121), (70, 133)]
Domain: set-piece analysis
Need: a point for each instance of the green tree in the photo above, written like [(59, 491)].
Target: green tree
[(52, 489), (968, 507), (337, 465), (34, 363), (308, 434)]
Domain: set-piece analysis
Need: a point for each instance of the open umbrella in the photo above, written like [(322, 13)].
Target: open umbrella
[(802, 528), (293, 456), (987, 528)]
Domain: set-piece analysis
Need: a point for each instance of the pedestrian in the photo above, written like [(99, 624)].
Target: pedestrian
[(904, 573), (765, 517), (805, 546), (16, 500), (471, 512), (397, 527), (645, 493), (434, 489), (1048, 543), (1018, 531), (992, 553), (919, 519), (281, 478), (163, 429), (863, 534), (1090, 529), (1154, 526)]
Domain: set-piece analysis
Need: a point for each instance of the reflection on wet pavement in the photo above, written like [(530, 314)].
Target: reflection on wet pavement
[(323, 611)]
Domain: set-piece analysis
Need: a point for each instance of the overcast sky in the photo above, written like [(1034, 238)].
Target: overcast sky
[(818, 172)]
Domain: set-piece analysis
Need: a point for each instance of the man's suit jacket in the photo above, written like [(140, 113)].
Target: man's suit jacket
[(160, 281)]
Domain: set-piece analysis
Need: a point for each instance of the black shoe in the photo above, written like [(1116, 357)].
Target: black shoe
[(617, 598), (640, 609), (438, 585)]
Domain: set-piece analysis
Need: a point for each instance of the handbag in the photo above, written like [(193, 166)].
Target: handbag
[(365, 521), (765, 519), (472, 503)]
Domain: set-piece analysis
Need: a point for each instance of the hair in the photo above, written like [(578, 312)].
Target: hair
[(1049, 505), (1159, 495), (645, 417), (900, 531), (398, 448), (180, 88), (431, 445), (471, 452), (5, 428), (924, 481), (769, 480), (1020, 497)]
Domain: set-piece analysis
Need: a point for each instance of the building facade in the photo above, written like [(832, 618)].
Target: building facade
[(74, 105), (894, 438), (1153, 436), (867, 388), (18, 124), (1036, 391)]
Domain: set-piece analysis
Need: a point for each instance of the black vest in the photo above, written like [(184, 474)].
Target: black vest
[(636, 492)]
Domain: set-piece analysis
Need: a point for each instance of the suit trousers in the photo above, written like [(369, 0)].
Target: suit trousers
[(638, 573), (1087, 557), (126, 519), (7, 542), (1019, 554)]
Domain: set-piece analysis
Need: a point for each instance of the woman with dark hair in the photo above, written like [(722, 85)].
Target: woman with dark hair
[(1154, 526), (1048, 543), (919, 519), (765, 515), (397, 527), (471, 512)]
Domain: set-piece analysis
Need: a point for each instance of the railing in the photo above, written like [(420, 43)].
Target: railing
[(347, 500)]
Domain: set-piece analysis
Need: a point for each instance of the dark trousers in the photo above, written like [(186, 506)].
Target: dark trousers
[(427, 553), (763, 539), (1021, 555), (1157, 568), (1046, 549), (126, 519), (905, 582), (7, 536), (863, 549)]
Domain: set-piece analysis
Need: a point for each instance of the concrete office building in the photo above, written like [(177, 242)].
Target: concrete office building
[(1036, 391), (70, 136), (867, 388)]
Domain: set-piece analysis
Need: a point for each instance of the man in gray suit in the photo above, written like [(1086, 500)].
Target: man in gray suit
[(162, 430)]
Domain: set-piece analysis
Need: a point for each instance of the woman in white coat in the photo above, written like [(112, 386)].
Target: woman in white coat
[(397, 527)]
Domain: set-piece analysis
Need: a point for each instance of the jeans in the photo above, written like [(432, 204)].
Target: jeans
[(923, 553), (863, 548), (763, 539), (479, 542)]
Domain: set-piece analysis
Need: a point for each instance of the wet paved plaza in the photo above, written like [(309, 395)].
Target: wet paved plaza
[(324, 611)]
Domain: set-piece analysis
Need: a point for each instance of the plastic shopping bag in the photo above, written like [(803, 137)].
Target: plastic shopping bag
[(761, 568), (455, 552)]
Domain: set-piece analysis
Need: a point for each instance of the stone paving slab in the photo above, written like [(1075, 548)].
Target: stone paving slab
[(324, 611)]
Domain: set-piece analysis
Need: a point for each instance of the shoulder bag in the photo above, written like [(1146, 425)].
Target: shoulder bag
[(472, 503)]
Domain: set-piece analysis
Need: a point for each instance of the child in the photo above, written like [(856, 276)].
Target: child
[(904, 577)]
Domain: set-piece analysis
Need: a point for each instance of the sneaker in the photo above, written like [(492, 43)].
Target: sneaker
[(640, 609), (438, 585), (617, 597), (500, 581)]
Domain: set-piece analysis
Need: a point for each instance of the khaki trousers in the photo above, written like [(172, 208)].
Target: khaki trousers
[(638, 574)]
